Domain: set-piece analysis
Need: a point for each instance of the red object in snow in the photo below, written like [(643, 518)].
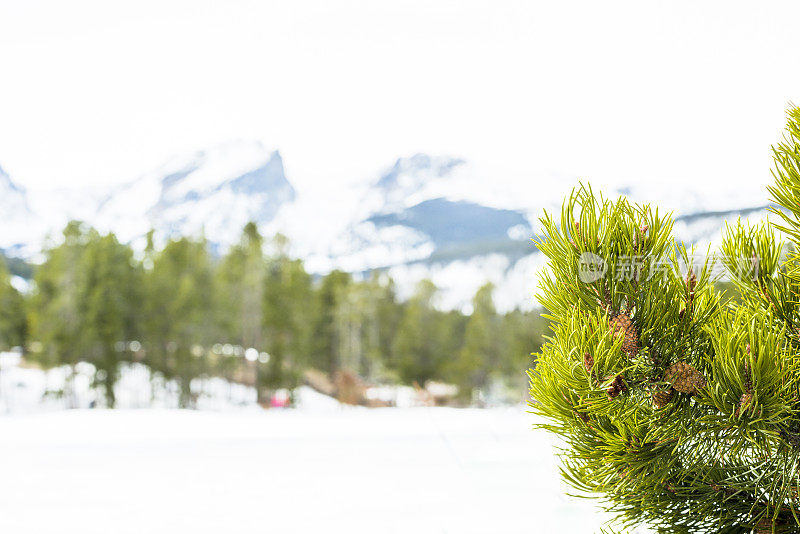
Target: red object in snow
[(279, 400)]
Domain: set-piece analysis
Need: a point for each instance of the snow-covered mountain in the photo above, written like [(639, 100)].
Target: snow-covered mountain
[(445, 219), (213, 192), (423, 216), (18, 224), (423, 209), (13, 199), (435, 217)]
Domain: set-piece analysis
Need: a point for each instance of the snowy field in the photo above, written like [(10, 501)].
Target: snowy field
[(342, 470), (231, 467)]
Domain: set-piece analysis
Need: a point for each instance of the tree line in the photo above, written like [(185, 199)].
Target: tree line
[(187, 314)]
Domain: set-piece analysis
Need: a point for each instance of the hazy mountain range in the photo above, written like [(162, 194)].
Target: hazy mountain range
[(422, 216)]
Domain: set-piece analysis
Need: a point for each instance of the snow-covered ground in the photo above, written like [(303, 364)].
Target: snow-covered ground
[(348, 470), (232, 467)]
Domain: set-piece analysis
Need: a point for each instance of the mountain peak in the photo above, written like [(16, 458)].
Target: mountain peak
[(16, 219), (408, 178), (7, 183), (214, 191), (246, 166), (417, 168)]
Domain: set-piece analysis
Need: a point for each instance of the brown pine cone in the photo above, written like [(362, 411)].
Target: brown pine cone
[(764, 526), (661, 398), (684, 378), (744, 403), (621, 324), (588, 362), (616, 387), (748, 376)]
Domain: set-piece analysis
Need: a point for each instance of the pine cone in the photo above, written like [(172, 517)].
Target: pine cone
[(748, 378), (588, 362), (622, 324), (661, 398), (691, 284), (617, 386), (684, 378), (744, 403), (791, 437), (639, 238), (764, 526)]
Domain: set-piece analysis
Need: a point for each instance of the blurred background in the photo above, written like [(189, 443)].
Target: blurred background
[(269, 265)]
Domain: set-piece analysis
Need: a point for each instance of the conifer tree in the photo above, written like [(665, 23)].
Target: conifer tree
[(522, 334), (419, 345), (388, 316), (240, 290), (678, 411), (325, 344), (109, 304), (379, 316), (240, 302), (480, 355), (13, 324), (288, 302), (56, 319), (180, 323)]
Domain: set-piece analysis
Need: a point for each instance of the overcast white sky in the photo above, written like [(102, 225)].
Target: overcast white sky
[(101, 91)]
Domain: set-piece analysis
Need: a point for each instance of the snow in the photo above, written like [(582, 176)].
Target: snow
[(459, 280), (352, 471), (191, 194), (31, 390), (230, 159), (233, 467), (20, 284)]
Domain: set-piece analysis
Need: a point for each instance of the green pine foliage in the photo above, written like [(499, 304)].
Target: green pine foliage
[(676, 406)]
